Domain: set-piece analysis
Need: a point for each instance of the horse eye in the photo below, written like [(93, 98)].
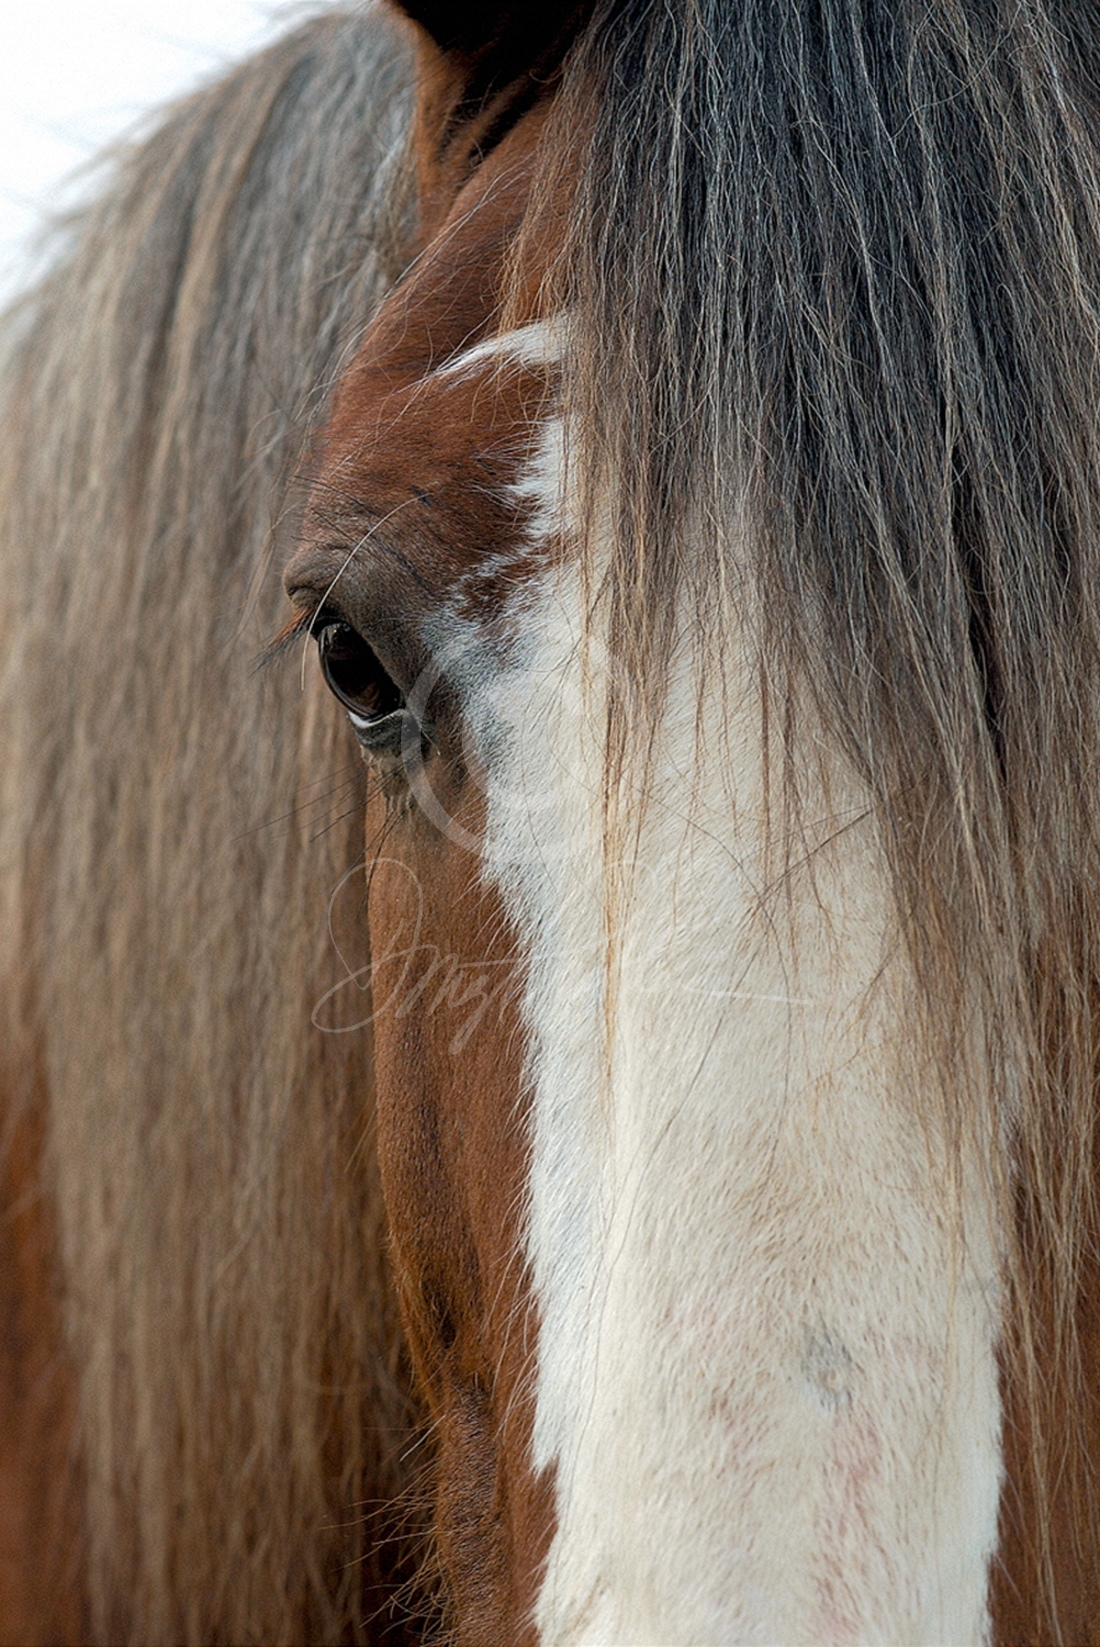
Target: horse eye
[(353, 673)]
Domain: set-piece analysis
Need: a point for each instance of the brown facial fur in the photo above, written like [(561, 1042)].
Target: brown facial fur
[(405, 503)]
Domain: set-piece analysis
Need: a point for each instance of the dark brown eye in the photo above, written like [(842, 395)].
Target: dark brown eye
[(354, 674)]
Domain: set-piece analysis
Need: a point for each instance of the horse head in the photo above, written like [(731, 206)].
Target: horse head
[(700, 1288)]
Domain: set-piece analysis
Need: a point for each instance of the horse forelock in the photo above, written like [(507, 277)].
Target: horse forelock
[(828, 398)]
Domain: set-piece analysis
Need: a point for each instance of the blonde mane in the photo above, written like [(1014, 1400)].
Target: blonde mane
[(173, 828)]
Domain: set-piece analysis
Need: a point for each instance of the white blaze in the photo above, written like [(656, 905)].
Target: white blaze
[(766, 1380)]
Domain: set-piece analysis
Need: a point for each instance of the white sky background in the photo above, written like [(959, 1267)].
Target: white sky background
[(76, 73)]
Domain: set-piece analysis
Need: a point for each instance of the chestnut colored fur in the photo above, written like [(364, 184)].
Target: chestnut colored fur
[(413, 487)]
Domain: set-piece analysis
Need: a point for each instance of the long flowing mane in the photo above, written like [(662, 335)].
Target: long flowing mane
[(173, 829), (835, 270)]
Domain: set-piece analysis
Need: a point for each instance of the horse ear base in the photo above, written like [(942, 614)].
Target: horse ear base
[(491, 43), (483, 66), (469, 28), (462, 30)]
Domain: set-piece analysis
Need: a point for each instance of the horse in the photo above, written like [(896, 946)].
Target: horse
[(570, 1118)]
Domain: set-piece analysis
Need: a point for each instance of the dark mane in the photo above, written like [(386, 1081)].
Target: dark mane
[(835, 268), (243, 1397)]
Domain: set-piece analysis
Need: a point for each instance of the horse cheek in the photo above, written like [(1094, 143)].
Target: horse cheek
[(453, 1148)]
